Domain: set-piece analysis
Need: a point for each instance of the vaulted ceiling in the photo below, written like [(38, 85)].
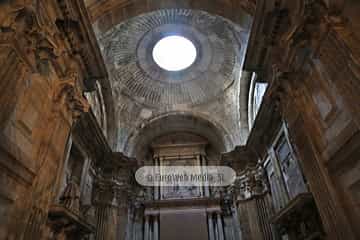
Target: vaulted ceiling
[(130, 8), (127, 49), (207, 92)]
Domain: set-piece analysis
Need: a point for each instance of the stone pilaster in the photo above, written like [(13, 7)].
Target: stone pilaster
[(253, 206), (106, 205), (42, 80), (315, 83)]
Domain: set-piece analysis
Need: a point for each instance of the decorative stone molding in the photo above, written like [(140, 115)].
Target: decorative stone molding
[(35, 39), (115, 188), (112, 192), (68, 98), (71, 197), (105, 192), (251, 184), (65, 224)]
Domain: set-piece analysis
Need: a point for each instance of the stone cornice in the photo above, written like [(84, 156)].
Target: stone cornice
[(89, 133)]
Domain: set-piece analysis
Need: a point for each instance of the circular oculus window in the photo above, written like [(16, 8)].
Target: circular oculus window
[(174, 53)]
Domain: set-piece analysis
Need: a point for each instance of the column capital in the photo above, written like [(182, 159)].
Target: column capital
[(109, 192), (251, 183)]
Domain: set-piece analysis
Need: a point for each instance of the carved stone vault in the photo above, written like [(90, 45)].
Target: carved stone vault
[(143, 91)]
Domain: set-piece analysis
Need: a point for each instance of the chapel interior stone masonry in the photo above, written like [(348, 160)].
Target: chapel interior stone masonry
[(272, 90)]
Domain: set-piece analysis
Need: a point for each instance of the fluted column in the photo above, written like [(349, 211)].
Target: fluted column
[(220, 226), (237, 226), (156, 228), (105, 227), (211, 227), (138, 226), (151, 234), (147, 228), (229, 228), (129, 226), (106, 222), (216, 230), (106, 209)]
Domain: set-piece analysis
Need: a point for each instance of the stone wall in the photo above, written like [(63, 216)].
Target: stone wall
[(47, 57), (311, 60)]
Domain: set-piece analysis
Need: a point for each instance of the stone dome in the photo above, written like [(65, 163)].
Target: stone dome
[(127, 50)]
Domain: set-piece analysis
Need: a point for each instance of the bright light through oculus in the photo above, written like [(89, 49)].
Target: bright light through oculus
[(174, 53)]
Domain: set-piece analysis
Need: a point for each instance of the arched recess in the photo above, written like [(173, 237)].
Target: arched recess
[(138, 144)]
